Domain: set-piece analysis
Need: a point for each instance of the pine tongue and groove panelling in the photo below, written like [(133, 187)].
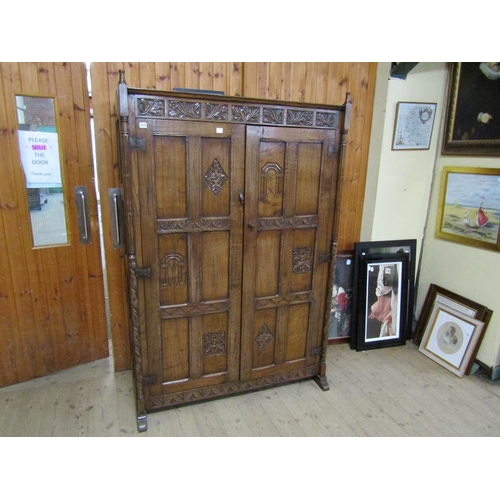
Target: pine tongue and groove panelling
[(312, 82)]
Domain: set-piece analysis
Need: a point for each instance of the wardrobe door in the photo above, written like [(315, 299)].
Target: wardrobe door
[(288, 224), (190, 177)]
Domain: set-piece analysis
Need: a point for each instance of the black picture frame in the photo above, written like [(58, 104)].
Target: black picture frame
[(342, 296), (381, 301), (406, 246), (473, 95)]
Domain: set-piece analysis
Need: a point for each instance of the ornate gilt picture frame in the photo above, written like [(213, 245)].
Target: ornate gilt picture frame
[(469, 207)]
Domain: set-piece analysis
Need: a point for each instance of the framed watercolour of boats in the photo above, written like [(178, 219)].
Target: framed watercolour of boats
[(469, 207)]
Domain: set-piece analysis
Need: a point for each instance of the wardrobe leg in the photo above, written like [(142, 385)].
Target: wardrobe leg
[(142, 423), (322, 381)]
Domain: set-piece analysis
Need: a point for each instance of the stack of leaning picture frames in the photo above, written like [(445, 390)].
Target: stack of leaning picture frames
[(383, 293), (450, 329)]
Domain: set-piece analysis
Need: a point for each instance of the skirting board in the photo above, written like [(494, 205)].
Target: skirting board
[(492, 372)]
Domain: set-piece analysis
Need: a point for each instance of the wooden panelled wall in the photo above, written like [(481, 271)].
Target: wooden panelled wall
[(313, 82)]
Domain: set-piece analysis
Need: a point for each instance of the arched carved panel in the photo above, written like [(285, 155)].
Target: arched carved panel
[(173, 271), (271, 180)]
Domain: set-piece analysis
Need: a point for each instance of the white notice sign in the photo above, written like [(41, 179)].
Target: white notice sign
[(40, 157)]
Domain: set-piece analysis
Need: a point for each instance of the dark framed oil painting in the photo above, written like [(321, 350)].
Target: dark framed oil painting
[(472, 122)]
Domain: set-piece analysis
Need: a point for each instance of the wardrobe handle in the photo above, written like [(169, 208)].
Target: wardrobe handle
[(250, 225), (242, 198)]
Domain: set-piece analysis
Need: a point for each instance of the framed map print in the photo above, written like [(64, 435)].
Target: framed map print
[(413, 127)]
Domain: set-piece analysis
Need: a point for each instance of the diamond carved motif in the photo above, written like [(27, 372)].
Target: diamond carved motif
[(264, 337), (216, 177)]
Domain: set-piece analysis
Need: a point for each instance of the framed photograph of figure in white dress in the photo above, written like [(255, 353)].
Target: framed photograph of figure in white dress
[(366, 249), (381, 304)]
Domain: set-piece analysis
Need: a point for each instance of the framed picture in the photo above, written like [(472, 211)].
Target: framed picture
[(472, 122), (341, 305), (413, 126), (451, 338), (364, 249), (469, 207), (437, 295), (381, 307)]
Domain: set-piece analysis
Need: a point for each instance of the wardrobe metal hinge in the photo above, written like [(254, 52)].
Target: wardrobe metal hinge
[(315, 351), (137, 143), (333, 150), (325, 257), (149, 380), (143, 272)]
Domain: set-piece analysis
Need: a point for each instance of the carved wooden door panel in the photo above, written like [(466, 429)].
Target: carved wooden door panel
[(288, 226), (190, 177)]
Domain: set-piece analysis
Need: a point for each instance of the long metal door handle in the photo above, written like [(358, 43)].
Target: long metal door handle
[(115, 196), (82, 210), (116, 221)]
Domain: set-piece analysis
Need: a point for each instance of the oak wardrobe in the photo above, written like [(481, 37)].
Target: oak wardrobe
[(231, 209)]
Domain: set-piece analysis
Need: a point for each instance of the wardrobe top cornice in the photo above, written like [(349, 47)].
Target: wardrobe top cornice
[(234, 99)]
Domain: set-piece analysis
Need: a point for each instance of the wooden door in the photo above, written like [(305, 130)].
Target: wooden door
[(52, 311), (189, 233), (289, 181)]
